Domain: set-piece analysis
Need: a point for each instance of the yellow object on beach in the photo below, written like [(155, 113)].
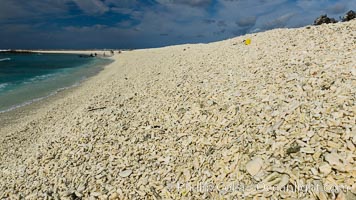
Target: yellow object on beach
[(248, 41)]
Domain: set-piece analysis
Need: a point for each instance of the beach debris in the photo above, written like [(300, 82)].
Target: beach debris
[(349, 16), (125, 173), (324, 19), (293, 149), (247, 41), (99, 108), (211, 102), (254, 166)]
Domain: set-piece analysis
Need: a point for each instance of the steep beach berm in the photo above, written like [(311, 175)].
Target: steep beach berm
[(272, 120)]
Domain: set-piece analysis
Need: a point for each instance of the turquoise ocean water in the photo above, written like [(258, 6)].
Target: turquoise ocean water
[(25, 78)]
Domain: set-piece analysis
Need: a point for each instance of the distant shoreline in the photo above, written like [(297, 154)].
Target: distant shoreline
[(73, 79), (85, 53)]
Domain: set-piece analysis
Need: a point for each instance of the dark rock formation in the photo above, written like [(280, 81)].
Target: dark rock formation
[(324, 19), (349, 16)]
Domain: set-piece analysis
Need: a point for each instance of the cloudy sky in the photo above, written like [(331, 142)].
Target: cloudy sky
[(78, 24)]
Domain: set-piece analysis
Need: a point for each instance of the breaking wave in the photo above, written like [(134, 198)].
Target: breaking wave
[(5, 59)]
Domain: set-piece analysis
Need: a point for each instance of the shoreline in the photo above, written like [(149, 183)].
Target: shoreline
[(20, 118), (59, 90), (31, 111), (275, 112), (10, 116), (40, 99)]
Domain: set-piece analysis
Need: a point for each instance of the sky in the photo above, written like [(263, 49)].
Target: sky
[(122, 24)]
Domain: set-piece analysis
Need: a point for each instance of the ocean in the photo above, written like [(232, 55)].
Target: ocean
[(29, 77)]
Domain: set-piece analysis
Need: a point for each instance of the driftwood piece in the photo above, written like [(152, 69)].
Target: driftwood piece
[(93, 109)]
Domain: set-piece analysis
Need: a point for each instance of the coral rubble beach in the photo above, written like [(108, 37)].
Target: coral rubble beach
[(273, 119)]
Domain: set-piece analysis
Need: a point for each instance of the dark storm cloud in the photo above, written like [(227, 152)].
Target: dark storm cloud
[(149, 23), (221, 23), (23, 9), (187, 2), (247, 21), (209, 21)]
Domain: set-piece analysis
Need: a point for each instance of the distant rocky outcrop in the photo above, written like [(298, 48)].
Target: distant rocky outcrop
[(349, 16), (324, 19)]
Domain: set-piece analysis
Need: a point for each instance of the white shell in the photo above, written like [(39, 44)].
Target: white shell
[(125, 173), (254, 166)]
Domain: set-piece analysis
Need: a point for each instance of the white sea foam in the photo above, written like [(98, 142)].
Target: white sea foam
[(51, 77), (38, 99), (5, 59), (40, 78), (3, 86)]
